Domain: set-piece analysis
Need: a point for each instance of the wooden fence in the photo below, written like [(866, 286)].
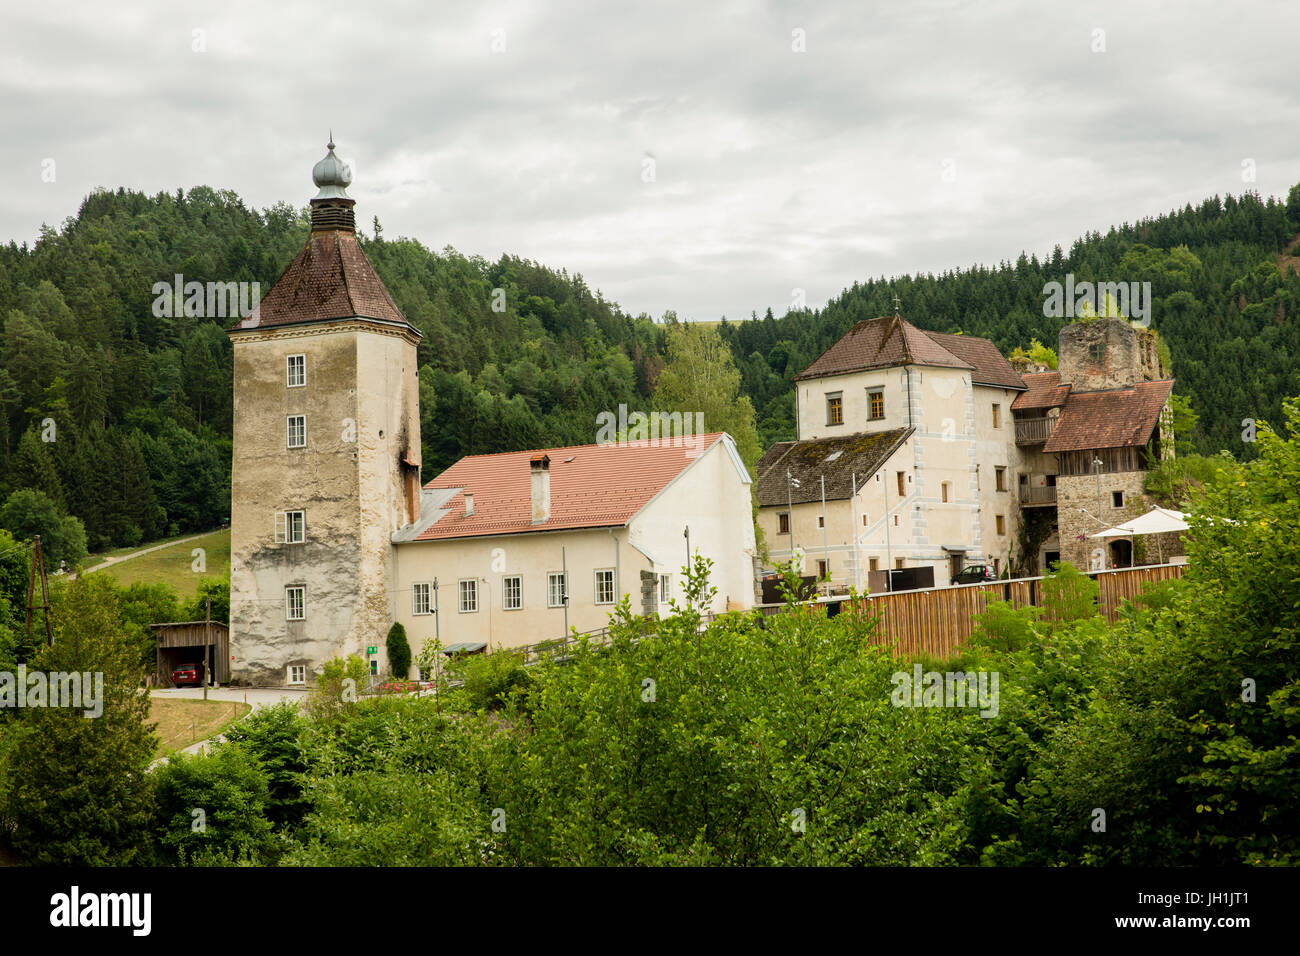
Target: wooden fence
[(938, 621), (933, 621)]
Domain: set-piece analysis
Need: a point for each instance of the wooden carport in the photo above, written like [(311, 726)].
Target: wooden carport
[(188, 641)]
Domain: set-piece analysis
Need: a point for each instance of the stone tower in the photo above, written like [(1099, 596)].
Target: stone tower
[(1107, 353), (326, 458)]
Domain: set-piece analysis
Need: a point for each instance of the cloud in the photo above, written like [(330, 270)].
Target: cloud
[(920, 137)]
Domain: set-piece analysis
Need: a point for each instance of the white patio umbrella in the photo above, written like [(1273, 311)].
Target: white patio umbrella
[(1155, 521)]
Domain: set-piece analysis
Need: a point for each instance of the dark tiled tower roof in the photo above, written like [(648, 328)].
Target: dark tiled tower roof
[(331, 278)]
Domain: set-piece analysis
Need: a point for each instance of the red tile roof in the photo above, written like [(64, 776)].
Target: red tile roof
[(592, 486), (890, 341), (991, 366), (1115, 418), (881, 343), (1044, 391), (330, 279)]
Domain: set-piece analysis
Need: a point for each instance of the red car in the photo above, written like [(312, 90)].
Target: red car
[(188, 675)]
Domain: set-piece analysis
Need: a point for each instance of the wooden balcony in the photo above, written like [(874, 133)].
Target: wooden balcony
[(1037, 495), (1033, 431)]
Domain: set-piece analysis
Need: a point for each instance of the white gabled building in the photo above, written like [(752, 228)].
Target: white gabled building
[(517, 548), (913, 435)]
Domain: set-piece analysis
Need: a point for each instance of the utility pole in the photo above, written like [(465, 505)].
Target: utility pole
[(857, 558), (38, 568), (1096, 465), (889, 559), (437, 618), (564, 590), (790, 482), (826, 551), (207, 646)]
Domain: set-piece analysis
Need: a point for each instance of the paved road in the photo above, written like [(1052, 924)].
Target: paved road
[(259, 697)]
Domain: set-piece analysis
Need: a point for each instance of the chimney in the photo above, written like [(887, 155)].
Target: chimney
[(469, 503), (539, 469)]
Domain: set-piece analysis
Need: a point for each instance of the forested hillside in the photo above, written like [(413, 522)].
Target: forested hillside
[(123, 419)]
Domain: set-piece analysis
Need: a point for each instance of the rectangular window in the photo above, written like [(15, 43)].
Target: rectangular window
[(783, 522), (420, 602), (997, 415), (1117, 499), (823, 569), (605, 586), (295, 368), (512, 592), (665, 588), (864, 521), (1002, 524), (290, 527), (944, 489), (297, 673), (821, 521), (876, 405), (898, 564), (297, 431), (873, 564), (1000, 476), (468, 595), (295, 603), (835, 409), (902, 484), (557, 589), (997, 567)]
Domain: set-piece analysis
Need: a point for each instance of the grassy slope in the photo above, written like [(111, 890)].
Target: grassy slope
[(173, 565), (182, 721)]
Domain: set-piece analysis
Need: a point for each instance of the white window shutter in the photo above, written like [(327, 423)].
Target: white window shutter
[(281, 527)]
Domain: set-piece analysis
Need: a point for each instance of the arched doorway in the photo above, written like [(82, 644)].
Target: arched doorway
[(1121, 553)]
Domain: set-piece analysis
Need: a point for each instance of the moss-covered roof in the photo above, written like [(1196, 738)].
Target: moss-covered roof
[(838, 459)]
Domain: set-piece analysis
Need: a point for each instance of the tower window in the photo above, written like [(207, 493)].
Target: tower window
[(1001, 524), (297, 431), (902, 483), (1117, 499), (295, 370), (290, 527), (295, 603), (1000, 476), (944, 489), (997, 415)]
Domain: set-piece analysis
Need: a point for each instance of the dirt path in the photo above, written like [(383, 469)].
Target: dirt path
[(135, 554)]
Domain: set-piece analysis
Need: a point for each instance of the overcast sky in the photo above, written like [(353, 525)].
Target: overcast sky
[(902, 137)]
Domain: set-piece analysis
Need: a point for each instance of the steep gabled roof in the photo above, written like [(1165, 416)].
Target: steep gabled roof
[(991, 366), (1115, 418), (331, 278), (1044, 391), (838, 459), (592, 486), (881, 343)]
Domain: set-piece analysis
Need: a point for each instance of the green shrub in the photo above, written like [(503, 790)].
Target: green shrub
[(399, 651)]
